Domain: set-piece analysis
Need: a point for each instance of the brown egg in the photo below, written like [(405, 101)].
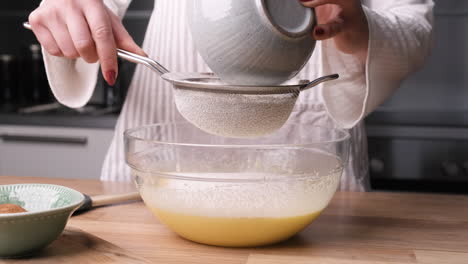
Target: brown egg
[(11, 208)]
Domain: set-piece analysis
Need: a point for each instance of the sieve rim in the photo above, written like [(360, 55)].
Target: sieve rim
[(210, 82)]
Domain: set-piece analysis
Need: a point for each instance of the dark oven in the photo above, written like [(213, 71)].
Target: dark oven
[(418, 140), (419, 158)]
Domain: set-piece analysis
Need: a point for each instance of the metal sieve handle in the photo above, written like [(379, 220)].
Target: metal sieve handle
[(319, 81)]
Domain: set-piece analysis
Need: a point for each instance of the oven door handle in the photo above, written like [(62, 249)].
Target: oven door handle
[(417, 133), (42, 139)]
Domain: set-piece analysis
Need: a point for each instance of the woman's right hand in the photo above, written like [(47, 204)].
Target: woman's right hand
[(82, 28)]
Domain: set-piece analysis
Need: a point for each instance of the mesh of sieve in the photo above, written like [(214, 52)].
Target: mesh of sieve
[(235, 114), (238, 111)]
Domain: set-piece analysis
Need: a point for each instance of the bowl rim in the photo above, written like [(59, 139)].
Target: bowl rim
[(70, 207), (270, 22), (289, 178), (345, 136), (127, 135)]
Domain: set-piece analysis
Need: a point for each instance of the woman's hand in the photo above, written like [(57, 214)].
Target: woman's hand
[(82, 28), (345, 22)]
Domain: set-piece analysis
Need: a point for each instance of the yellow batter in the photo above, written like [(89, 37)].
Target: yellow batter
[(244, 214), (234, 232)]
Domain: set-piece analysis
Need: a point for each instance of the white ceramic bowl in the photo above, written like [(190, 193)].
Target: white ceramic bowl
[(253, 42)]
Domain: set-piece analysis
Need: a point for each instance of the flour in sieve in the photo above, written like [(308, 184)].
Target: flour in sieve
[(235, 115)]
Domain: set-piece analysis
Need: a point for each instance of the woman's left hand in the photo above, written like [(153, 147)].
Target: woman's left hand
[(343, 21)]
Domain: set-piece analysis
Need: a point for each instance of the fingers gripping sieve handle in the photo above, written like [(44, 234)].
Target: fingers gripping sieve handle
[(132, 57)]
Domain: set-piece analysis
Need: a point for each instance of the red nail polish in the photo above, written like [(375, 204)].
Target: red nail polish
[(319, 31), (110, 77)]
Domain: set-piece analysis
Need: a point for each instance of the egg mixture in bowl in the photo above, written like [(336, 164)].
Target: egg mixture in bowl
[(236, 192)]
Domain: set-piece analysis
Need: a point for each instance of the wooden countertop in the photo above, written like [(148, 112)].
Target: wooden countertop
[(356, 228)]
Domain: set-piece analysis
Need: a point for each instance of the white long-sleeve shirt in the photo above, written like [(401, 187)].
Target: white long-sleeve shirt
[(400, 39)]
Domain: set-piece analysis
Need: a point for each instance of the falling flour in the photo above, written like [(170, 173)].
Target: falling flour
[(235, 115), (261, 199), (259, 191)]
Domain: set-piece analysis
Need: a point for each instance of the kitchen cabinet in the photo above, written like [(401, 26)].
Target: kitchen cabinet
[(53, 151)]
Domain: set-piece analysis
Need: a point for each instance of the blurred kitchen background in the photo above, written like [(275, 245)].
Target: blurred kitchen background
[(418, 140), (38, 136)]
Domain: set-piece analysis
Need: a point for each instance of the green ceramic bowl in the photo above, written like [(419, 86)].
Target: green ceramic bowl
[(49, 208)]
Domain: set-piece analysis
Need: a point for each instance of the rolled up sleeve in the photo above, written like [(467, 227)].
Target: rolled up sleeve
[(400, 39), (72, 81)]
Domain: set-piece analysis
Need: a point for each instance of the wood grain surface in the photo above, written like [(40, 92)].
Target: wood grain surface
[(77, 246), (356, 228)]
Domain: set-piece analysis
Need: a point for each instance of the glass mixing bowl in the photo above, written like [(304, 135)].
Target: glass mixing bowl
[(236, 192)]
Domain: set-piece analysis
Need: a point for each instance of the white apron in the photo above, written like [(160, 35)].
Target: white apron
[(150, 99)]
